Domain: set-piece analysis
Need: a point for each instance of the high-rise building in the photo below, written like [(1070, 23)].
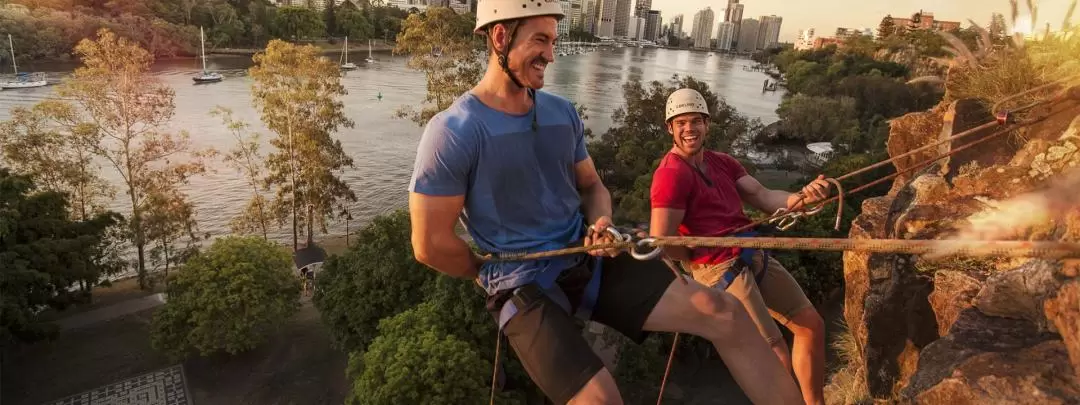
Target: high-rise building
[(605, 20), (590, 17), (622, 17), (702, 31), (748, 35), (576, 15), (733, 12), (636, 29), (725, 36), (677, 26), (641, 9), (462, 6), (769, 31), (805, 41), (564, 23), (652, 25)]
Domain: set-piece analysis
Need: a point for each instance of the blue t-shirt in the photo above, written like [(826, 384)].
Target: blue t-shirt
[(519, 185)]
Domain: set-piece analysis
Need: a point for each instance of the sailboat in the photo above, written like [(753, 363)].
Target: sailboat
[(369, 59), (345, 53), (205, 77), (22, 80)]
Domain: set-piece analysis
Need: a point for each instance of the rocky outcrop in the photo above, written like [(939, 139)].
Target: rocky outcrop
[(969, 330)]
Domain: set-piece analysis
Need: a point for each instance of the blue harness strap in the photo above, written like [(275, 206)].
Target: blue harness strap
[(557, 295), (746, 256)]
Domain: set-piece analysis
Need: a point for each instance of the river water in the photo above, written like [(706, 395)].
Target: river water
[(383, 147)]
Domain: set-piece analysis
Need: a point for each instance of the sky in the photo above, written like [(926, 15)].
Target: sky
[(826, 15)]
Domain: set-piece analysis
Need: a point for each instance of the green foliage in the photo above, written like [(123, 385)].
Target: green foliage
[(299, 94), (119, 112), (299, 22), (170, 28), (377, 278), (817, 119), (457, 68), (640, 368), (413, 361), (227, 299), (629, 151), (43, 254)]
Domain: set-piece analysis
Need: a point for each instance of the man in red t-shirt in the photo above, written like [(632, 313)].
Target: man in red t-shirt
[(698, 192)]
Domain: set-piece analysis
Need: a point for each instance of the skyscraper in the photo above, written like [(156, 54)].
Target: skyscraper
[(576, 15), (564, 23), (677, 26), (725, 36), (590, 17), (748, 35), (622, 17), (642, 8), (769, 31), (702, 31), (652, 25), (606, 18)]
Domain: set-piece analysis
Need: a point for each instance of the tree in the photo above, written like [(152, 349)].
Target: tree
[(299, 23), (381, 265), (45, 142), (126, 109), (412, 361), (354, 24), (298, 94), (227, 299), (248, 162), (887, 28), (330, 19), (43, 253), (817, 119), (441, 44), (170, 218), (997, 28), (629, 151)]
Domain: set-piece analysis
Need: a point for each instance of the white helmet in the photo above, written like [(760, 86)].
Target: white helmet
[(684, 101), (492, 11)]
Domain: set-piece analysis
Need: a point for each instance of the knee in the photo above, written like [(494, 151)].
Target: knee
[(807, 323), (719, 312)]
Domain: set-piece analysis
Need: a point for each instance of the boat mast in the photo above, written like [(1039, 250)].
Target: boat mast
[(202, 46), (12, 46), (346, 50)]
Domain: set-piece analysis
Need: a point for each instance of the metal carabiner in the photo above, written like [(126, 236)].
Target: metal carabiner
[(646, 256), (619, 237)]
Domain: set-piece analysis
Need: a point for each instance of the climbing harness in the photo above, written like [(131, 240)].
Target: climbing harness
[(744, 238)]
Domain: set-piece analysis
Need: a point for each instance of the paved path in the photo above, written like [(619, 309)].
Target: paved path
[(111, 312)]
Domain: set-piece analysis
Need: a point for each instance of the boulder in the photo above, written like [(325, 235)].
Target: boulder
[(972, 334), (910, 132), (1063, 311), (964, 115), (1031, 376), (954, 291), (1020, 293)]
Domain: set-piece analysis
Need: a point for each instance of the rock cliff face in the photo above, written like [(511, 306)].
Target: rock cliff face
[(969, 330)]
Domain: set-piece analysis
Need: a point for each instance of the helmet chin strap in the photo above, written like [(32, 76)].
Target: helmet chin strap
[(504, 63)]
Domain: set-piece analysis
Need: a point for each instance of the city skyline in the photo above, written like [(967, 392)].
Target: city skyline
[(822, 15)]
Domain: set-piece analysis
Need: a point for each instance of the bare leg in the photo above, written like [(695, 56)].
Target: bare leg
[(808, 354), (782, 353), (600, 389), (718, 316)]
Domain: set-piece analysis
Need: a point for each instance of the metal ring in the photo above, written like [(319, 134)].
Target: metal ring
[(814, 210), (619, 237), (646, 256), (791, 220)]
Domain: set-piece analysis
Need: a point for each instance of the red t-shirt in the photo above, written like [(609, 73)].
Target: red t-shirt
[(710, 211)]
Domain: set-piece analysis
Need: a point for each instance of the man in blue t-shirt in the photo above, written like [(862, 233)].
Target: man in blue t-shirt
[(510, 162)]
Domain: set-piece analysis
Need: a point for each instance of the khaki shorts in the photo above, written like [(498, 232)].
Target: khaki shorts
[(779, 297)]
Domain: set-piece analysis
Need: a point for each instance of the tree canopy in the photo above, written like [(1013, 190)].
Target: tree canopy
[(227, 298), (379, 264), (43, 254)]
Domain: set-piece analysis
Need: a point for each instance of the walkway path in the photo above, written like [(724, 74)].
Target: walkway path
[(111, 312)]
